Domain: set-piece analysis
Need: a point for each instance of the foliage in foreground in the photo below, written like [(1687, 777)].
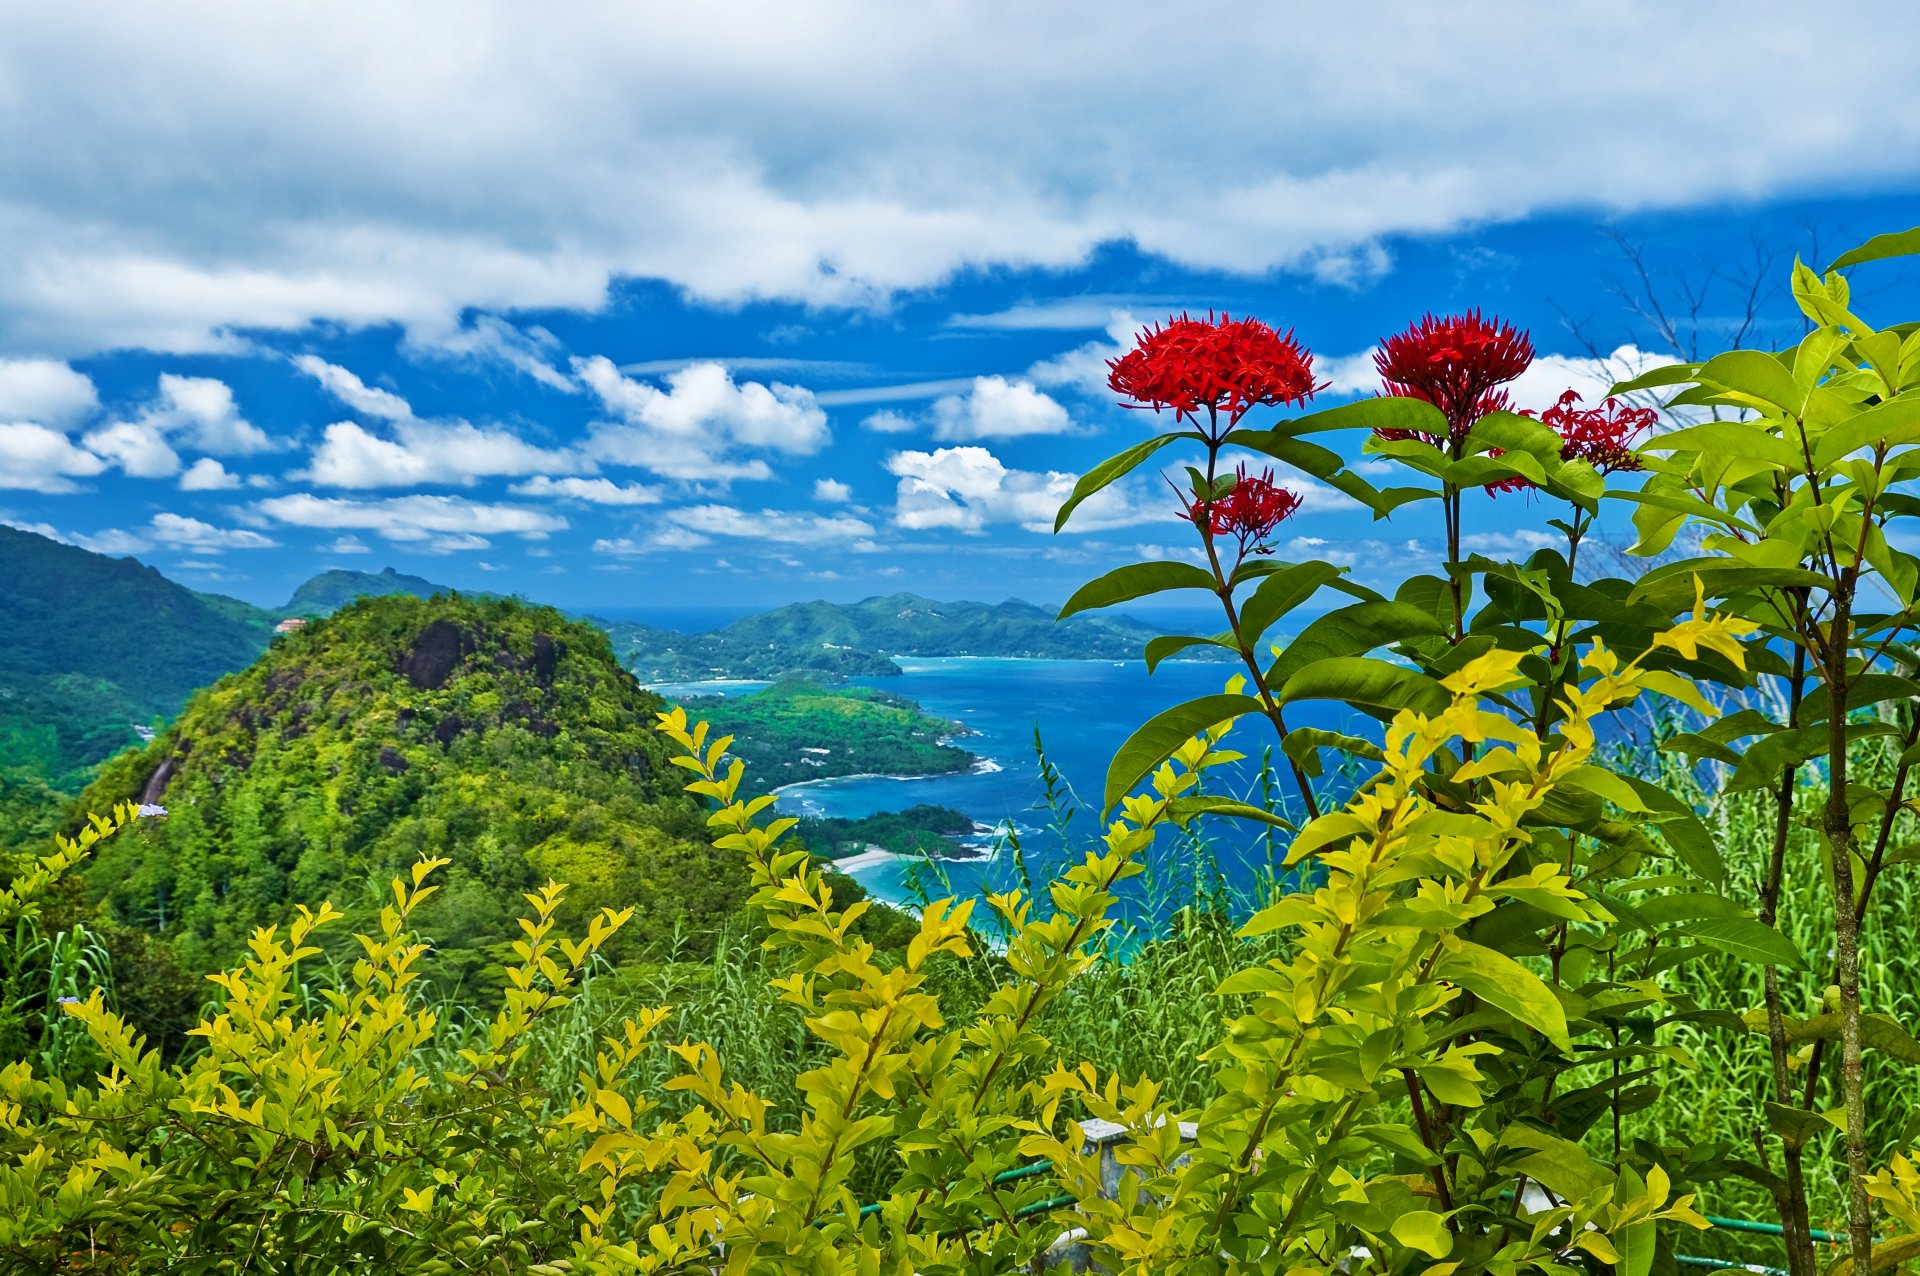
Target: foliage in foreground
[(1446, 1062)]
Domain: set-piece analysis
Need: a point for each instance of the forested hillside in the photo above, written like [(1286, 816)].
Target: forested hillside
[(331, 590), (856, 639), (501, 736), (92, 645)]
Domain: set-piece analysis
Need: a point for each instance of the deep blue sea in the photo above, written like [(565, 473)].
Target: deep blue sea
[(1082, 711)]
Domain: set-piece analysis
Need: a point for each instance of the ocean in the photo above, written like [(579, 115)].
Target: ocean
[(1081, 711)]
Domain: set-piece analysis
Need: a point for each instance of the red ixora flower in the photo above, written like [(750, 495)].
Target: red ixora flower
[(1456, 364), (1602, 437), (1249, 513), (1223, 366)]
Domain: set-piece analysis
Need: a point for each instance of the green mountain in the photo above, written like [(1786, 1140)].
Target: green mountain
[(857, 639), (331, 590), (501, 736), (92, 647)]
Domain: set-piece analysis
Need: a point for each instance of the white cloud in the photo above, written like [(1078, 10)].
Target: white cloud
[(499, 157), (346, 545), (780, 526), (46, 391), (1084, 368), (456, 543), (701, 426), (183, 532), (208, 475), (200, 411), (1538, 387), (832, 491), (37, 459), (1516, 543), (345, 386), (887, 421), (452, 452), (112, 540), (595, 491), (966, 488), (664, 538), (489, 339), (137, 448), (996, 408), (410, 518)]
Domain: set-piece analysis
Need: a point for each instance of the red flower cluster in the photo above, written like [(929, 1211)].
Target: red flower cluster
[(1602, 437), (1249, 512), (1456, 364), (1224, 366)]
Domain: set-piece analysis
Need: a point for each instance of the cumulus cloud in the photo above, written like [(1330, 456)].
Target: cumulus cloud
[(183, 532), (996, 408), (887, 421), (37, 459), (1084, 368), (452, 452), (139, 449), (46, 391), (703, 426), (346, 545), (965, 488), (410, 518), (208, 475), (831, 491), (594, 491)]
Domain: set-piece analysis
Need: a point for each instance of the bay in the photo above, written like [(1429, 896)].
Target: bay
[(1081, 712)]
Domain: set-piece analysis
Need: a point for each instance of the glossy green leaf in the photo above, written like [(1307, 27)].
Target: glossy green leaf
[(1375, 686), (1501, 981), (1352, 631), (1168, 645), (1747, 939), (1893, 424), (1757, 376), (1113, 469), (1137, 580), (1163, 734), (1281, 592), (1904, 243)]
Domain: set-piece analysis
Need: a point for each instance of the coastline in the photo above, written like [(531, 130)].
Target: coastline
[(979, 766)]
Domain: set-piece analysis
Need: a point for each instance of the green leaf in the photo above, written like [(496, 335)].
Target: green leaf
[(1303, 745), (1747, 939), (1373, 686), (1423, 1230), (1113, 469), (1163, 734), (1634, 1244), (1184, 809), (1747, 439), (1387, 412), (1756, 376), (1328, 466), (1562, 1167), (1282, 591), (1499, 980), (1352, 631), (1904, 243), (1895, 423), (1159, 649), (1656, 378), (1137, 580)]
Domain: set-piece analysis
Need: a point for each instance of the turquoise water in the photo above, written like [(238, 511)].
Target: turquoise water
[(1082, 710)]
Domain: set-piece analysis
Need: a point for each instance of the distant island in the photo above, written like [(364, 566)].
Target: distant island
[(795, 731), (860, 639)]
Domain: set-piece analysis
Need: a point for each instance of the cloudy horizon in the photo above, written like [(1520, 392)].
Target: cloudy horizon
[(756, 303)]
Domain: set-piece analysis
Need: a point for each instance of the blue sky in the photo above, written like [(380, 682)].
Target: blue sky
[(630, 306)]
